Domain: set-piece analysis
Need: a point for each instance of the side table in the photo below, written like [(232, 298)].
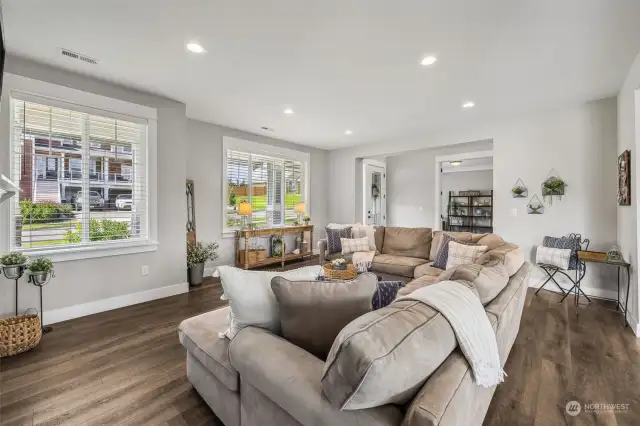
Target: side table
[(597, 257)]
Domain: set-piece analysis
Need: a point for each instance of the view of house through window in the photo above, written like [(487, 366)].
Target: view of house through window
[(82, 177), (272, 185)]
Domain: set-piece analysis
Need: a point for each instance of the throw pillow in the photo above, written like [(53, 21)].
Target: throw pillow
[(361, 231), (464, 254), (251, 299), (386, 293), (440, 261), (553, 256), (572, 244), (352, 245), (312, 313), (333, 238)]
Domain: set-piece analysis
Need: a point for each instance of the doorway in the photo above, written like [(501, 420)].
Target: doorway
[(374, 192)]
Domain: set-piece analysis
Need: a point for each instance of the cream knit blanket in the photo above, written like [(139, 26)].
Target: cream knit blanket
[(462, 308)]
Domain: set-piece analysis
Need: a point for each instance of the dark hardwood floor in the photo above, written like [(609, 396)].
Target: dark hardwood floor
[(127, 367)]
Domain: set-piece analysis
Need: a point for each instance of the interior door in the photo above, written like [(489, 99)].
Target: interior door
[(375, 195)]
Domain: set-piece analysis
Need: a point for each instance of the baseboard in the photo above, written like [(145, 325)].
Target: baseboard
[(634, 324), (598, 293), (84, 309)]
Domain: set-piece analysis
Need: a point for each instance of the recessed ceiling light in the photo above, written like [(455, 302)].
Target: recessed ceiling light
[(455, 163), (428, 60), (288, 111), (468, 104), (195, 47), (348, 132)]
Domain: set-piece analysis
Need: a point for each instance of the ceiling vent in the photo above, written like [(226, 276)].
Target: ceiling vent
[(79, 56)]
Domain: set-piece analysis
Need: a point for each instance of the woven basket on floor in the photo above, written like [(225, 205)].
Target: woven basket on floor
[(19, 334), (340, 274)]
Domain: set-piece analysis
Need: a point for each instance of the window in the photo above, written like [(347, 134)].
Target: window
[(67, 201), (272, 180)]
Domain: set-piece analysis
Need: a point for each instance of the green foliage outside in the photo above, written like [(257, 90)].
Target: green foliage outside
[(259, 202), (100, 230), (44, 212), (232, 198)]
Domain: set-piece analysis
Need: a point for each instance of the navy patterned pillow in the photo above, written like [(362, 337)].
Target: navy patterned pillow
[(443, 253), (333, 238), (572, 244), (386, 293)]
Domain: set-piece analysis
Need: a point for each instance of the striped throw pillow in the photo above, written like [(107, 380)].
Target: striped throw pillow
[(554, 256), (352, 245), (334, 236), (463, 254)]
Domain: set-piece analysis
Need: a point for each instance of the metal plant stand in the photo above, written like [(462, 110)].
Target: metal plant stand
[(14, 272), (40, 280)]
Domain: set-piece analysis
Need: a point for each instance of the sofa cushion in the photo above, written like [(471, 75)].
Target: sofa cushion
[(199, 335), (312, 313), (509, 254), (409, 242), (492, 241), (427, 269), (489, 279), (379, 238), (417, 283), (396, 265), (436, 243), (374, 360)]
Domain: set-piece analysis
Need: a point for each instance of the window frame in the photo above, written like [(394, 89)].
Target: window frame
[(235, 144), (30, 90)]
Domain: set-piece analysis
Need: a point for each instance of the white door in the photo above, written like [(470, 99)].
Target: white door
[(375, 195)]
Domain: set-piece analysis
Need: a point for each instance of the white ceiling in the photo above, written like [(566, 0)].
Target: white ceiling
[(467, 165), (341, 64)]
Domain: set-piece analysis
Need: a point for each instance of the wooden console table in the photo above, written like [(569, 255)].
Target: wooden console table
[(245, 234)]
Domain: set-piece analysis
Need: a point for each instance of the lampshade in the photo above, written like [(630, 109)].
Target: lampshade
[(300, 208), (244, 209)]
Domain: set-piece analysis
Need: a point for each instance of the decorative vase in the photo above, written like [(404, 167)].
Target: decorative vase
[(196, 274), (306, 222), (13, 272)]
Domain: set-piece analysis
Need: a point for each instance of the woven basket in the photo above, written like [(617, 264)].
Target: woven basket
[(340, 274), (19, 334)]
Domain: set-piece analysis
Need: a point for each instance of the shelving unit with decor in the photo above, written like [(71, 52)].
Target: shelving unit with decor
[(470, 213)]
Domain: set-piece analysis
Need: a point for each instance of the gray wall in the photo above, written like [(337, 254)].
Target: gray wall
[(460, 181), (629, 138), (83, 281), (205, 168), (411, 183), (579, 141)]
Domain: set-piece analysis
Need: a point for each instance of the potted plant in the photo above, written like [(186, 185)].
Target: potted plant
[(306, 220), (553, 185), (339, 264), (39, 270), (518, 191), (13, 264), (197, 254)]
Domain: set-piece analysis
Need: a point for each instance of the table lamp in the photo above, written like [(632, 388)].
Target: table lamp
[(300, 209), (244, 210)]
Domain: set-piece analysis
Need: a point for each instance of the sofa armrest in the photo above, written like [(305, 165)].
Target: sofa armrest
[(322, 248), (290, 377)]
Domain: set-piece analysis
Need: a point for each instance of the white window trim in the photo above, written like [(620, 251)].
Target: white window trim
[(30, 89), (234, 144)]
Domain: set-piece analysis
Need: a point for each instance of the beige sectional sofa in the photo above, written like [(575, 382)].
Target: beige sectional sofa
[(260, 378)]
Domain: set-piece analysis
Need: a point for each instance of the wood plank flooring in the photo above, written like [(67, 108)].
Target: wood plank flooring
[(126, 367)]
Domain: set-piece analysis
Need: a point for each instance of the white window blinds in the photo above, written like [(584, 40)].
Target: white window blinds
[(82, 176), (271, 184)]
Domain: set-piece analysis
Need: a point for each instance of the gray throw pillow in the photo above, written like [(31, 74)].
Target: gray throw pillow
[(312, 313), (442, 256), (333, 238)]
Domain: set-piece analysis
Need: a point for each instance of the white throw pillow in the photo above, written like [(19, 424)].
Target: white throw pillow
[(251, 299), (352, 245), (361, 231), (464, 254), (553, 256)]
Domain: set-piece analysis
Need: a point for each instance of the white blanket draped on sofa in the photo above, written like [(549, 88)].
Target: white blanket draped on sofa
[(462, 308)]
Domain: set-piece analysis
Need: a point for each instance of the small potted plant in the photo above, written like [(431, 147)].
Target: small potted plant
[(518, 191), (306, 220), (553, 185), (339, 264), (13, 264), (197, 254), (39, 270)]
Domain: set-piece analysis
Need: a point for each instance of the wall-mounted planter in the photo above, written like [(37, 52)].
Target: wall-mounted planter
[(553, 186), (535, 206), (519, 190)]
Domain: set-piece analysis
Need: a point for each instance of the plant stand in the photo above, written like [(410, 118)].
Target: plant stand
[(14, 272), (40, 280)]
